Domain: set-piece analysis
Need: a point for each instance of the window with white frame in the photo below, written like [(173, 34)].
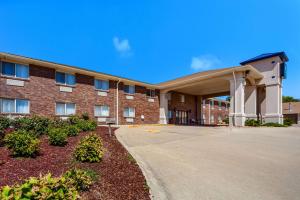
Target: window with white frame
[(65, 78), (65, 108), (182, 98), (101, 84), (14, 70), (129, 89), (150, 93), (129, 112), (14, 106), (102, 111)]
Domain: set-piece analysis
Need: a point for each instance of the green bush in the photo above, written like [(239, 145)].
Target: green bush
[(57, 136), (38, 125), (252, 122), (80, 179), (72, 130), (87, 125), (272, 124), (4, 123), (22, 143), (73, 120), (226, 120), (90, 149), (288, 122), (85, 116), (45, 187)]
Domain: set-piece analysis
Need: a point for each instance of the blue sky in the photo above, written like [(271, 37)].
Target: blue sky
[(153, 41)]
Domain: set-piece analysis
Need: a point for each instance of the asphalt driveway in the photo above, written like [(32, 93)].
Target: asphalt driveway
[(217, 163)]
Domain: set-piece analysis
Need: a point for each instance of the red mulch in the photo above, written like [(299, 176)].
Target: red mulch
[(119, 178)]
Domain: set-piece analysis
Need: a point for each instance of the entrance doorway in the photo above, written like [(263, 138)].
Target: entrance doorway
[(182, 117)]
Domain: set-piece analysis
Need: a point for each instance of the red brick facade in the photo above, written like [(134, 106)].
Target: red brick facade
[(43, 92)]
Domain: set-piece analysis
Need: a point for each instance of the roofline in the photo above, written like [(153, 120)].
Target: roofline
[(28, 60), (281, 54)]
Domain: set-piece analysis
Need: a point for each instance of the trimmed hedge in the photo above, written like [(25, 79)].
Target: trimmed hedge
[(80, 179), (72, 130), (57, 136), (90, 149), (252, 122), (22, 143)]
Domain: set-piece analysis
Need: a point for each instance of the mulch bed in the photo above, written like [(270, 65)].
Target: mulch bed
[(119, 177)]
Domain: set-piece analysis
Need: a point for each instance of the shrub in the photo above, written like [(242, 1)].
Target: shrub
[(45, 187), (22, 143), (89, 149), (272, 124), (85, 116), (226, 120), (87, 125), (38, 125), (57, 136), (288, 122), (72, 130), (252, 122), (80, 179), (73, 120), (4, 123)]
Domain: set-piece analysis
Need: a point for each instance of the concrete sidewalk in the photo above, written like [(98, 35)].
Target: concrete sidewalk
[(217, 163)]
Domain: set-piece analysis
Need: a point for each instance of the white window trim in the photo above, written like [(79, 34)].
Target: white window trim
[(129, 86), (100, 112), (65, 108), (15, 105), (128, 113), (96, 79), (14, 76), (65, 84)]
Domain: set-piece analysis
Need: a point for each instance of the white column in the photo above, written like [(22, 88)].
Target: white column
[(163, 108), (251, 101), (274, 104), (237, 115)]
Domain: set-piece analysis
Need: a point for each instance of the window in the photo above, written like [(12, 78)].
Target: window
[(170, 114), (220, 105), (19, 106), (182, 98), (219, 118), (129, 89), (64, 78), (129, 112), (212, 119), (212, 104), (101, 84), (203, 103), (14, 70), (150, 93), (65, 108), (102, 111)]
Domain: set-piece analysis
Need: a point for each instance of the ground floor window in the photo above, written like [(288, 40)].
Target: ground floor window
[(102, 111), (19, 106), (65, 108), (129, 112)]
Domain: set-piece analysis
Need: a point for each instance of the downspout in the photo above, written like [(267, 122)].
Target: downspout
[(234, 99), (117, 103)]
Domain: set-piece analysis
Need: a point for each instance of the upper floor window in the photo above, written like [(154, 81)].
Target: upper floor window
[(101, 84), (150, 93), (65, 108), (18, 106), (182, 98), (14, 70), (129, 112), (102, 111), (65, 78), (129, 89)]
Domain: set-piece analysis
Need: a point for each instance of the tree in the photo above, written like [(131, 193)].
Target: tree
[(286, 99)]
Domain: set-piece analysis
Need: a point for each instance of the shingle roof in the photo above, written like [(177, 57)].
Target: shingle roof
[(281, 54)]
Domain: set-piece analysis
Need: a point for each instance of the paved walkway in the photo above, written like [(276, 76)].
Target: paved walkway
[(187, 163)]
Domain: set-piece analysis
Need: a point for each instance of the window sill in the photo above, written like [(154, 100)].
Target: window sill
[(99, 90), (64, 85), (15, 78), (128, 94)]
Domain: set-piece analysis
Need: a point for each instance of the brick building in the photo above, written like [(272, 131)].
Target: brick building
[(30, 86)]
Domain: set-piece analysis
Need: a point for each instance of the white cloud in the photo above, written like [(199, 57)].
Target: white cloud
[(122, 46), (204, 62)]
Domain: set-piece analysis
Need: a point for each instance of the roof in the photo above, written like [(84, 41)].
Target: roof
[(56, 65), (281, 54), (291, 108)]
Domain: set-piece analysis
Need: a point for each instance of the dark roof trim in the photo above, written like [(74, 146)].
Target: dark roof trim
[(281, 54)]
